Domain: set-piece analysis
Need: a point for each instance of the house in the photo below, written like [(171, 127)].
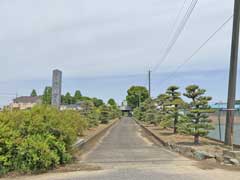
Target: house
[(126, 109), (25, 102)]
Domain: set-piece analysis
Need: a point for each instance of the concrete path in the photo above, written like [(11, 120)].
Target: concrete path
[(126, 144), (127, 153)]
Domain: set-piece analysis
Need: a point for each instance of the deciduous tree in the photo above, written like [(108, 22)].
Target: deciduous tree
[(136, 95), (112, 102)]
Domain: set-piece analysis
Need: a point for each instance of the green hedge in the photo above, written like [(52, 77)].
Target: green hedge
[(38, 139)]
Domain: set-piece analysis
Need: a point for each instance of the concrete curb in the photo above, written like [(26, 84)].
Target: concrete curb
[(150, 133), (86, 144), (165, 143), (188, 152)]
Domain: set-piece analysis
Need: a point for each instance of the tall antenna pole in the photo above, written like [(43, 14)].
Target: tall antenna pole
[(233, 76), (149, 83)]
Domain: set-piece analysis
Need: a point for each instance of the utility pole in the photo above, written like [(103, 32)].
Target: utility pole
[(149, 83), (139, 99), (232, 76)]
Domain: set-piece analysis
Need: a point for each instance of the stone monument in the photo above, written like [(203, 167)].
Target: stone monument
[(56, 88)]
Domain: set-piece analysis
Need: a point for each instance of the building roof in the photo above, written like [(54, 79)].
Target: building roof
[(125, 108), (222, 106), (27, 99)]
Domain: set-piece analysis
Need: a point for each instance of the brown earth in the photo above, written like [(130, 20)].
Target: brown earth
[(206, 144)]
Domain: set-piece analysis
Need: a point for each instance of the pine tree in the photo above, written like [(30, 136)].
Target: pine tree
[(104, 114), (33, 93), (150, 111), (198, 122), (77, 96), (162, 102), (175, 102)]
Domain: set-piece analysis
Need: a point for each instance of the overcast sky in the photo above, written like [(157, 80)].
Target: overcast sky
[(93, 38)]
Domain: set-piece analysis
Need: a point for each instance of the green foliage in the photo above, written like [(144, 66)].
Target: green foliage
[(197, 121), (97, 102), (112, 102), (147, 112), (47, 96), (105, 114), (175, 103), (38, 139), (150, 112), (162, 102), (138, 114), (33, 93), (77, 96), (68, 99), (136, 95), (85, 98), (91, 113), (168, 111)]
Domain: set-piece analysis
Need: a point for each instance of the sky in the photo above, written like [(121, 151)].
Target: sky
[(104, 47)]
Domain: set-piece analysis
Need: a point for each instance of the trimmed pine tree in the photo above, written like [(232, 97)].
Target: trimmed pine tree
[(175, 103), (198, 123)]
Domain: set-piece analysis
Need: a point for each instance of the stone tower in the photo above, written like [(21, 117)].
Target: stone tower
[(56, 88)]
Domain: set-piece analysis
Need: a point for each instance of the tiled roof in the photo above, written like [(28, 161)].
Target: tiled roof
[(27, 99)]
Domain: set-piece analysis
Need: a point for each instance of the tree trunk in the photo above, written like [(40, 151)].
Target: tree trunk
[(175, 120), (196, 139), (175, 126)]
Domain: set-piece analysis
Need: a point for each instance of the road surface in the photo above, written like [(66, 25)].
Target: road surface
[(125, 152)]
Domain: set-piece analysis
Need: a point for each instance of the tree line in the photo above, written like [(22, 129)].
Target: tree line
[(169, 110), (67, 98)]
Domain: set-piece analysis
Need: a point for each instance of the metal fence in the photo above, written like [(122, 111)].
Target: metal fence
[(219, 121)]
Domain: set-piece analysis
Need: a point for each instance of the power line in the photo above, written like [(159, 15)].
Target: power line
[(174, 23), (177, 33), (198, 49)]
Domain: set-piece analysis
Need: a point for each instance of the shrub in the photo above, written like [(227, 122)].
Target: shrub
[(38, 139), (105, 114)]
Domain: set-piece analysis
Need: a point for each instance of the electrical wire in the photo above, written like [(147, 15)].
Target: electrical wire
[(197, 50), (177, 33)]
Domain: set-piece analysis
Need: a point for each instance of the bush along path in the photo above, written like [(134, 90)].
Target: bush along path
[(40, 139)]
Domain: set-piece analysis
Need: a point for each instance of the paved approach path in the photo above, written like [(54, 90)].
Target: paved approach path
[(126, 153)]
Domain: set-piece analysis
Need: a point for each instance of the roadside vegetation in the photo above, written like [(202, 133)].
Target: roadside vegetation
[(169, 110), (42, 138)]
